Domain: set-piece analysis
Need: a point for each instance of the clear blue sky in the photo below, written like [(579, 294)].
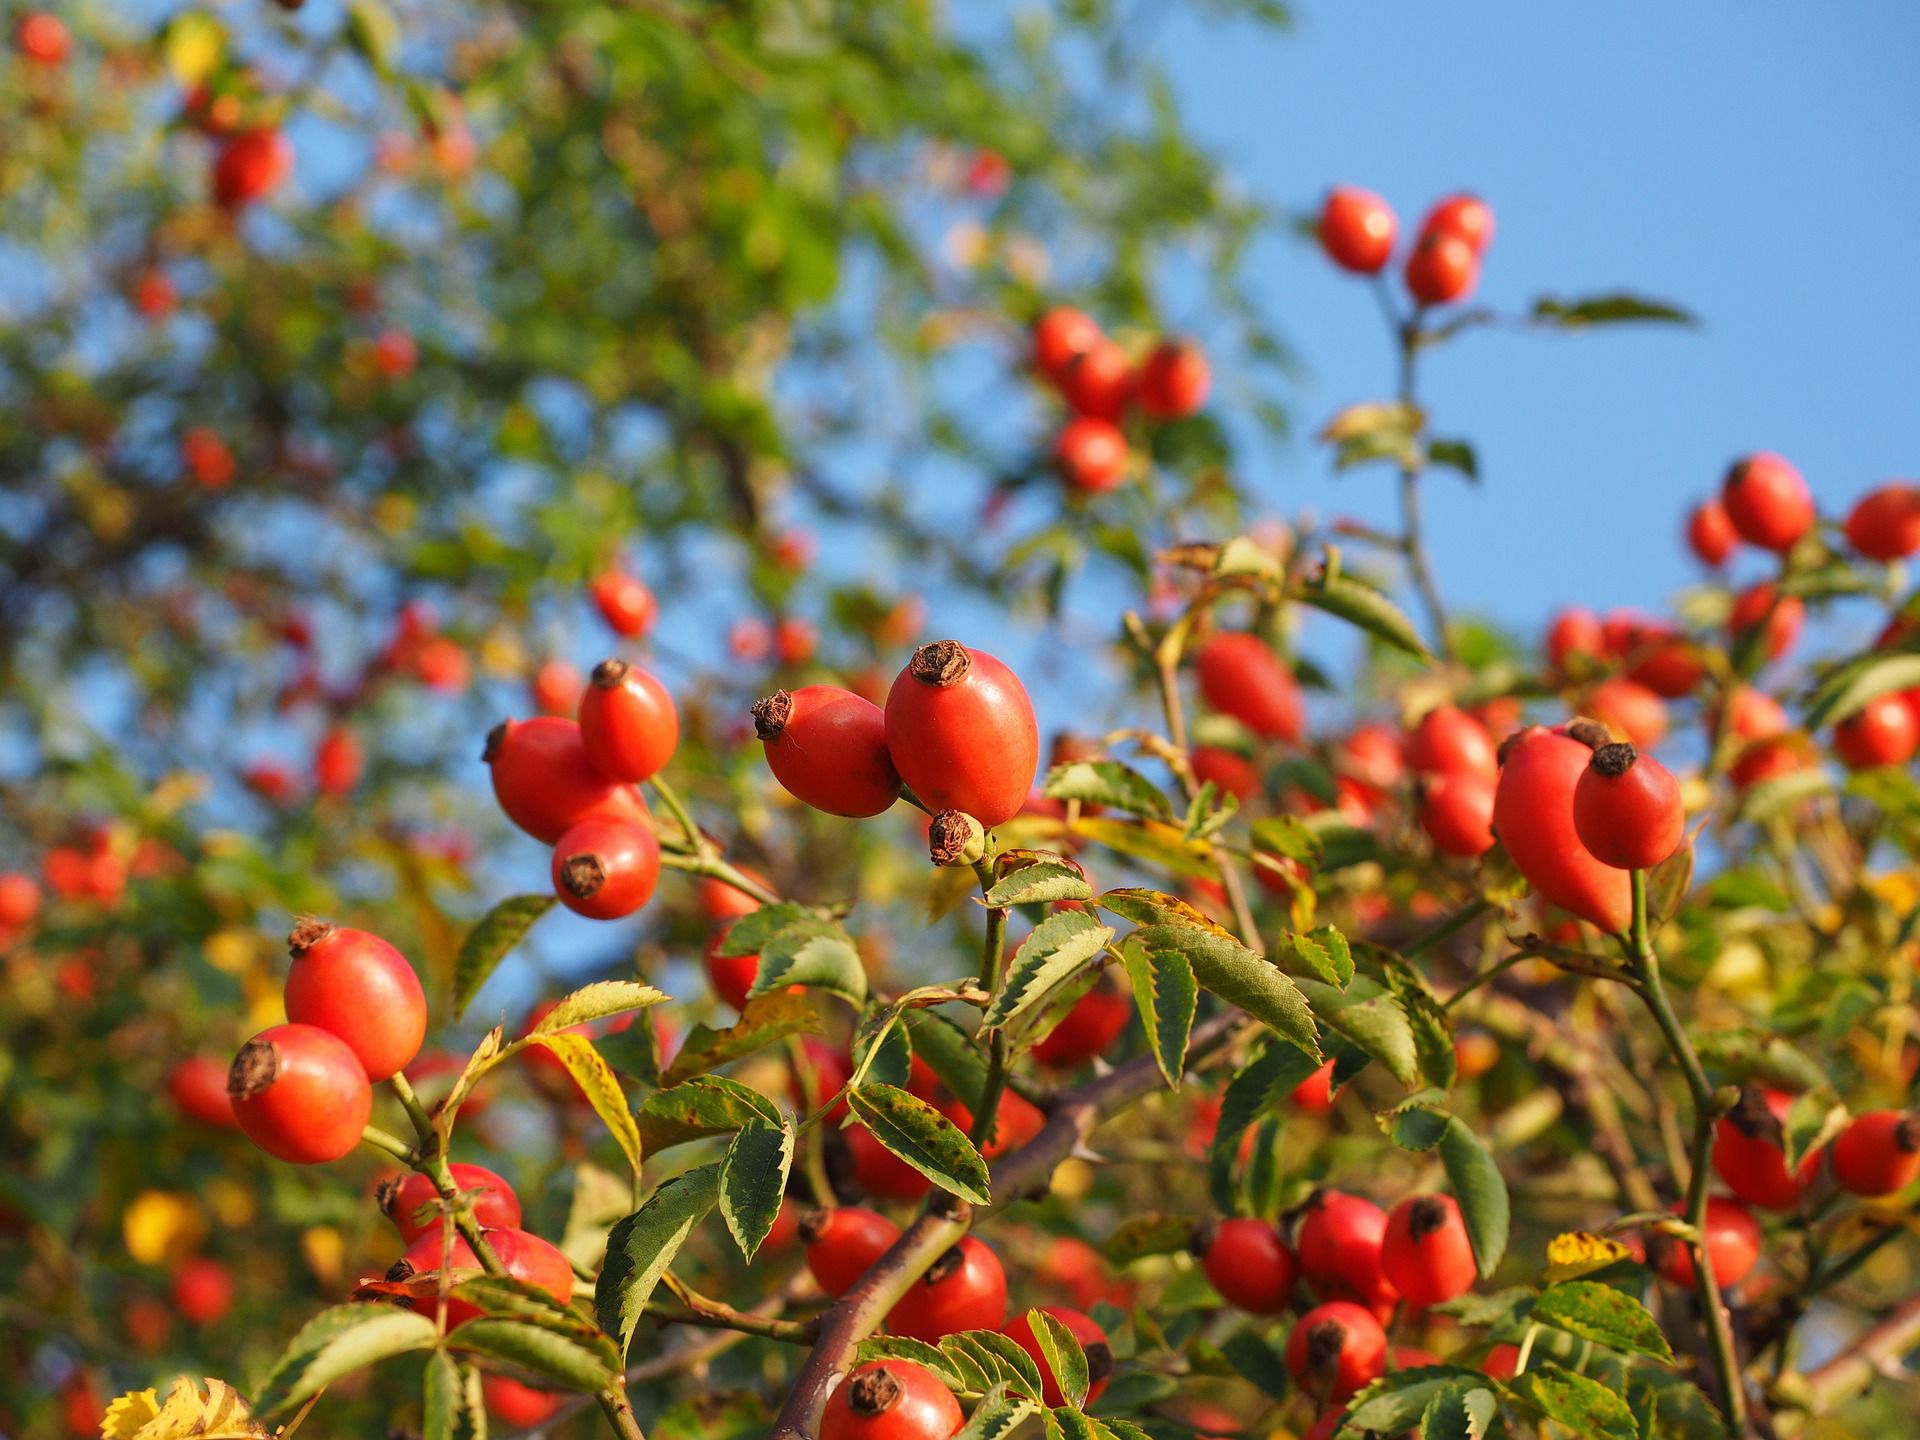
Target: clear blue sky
[(1759, 165)]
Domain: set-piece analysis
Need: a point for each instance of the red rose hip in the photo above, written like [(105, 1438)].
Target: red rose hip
[(1426, 1253), (1442, 269), (962, 733), (300, 1094), (828, 747), (1357, 230), (1249, 1264), (1174, 381), (842, 1244), (1878, 1153), (629, 725), (546, 784), (891, 1400), (1627, 810), (1336, 1349), (605, 869), (1767, 501), (1533, 816), (357, 986), (1092, 454), (1239, 676), (405, 1201), (965, 1289)]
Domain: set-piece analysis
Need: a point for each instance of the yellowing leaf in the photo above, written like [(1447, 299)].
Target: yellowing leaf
[(161, 1224), (127, 1414), (195, 44), (1578, 1253)]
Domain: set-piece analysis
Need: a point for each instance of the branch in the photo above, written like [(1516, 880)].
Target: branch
[(858, 1313), (1861, 1363)]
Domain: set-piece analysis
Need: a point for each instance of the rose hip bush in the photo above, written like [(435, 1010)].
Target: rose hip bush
[(1460, 1037)]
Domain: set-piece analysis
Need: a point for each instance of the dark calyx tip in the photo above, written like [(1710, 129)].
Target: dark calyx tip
[(1590, 733), (1325, 1341), (1907, 1133), (583, 875), (386, 1193), (496, 737), (1614, 759), (950, 836), (946, 1267), (1427, 1215), (308, 932), (1751, 1117), (771, 714), (873, 1392), (400, 1272), (1099, 1361), (813, 1226), (254, 1069), (1200, 1241), (944, 662), (608, 674)]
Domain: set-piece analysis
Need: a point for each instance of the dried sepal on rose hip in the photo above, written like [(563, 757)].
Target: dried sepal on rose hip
[(828, 748), (1627, 810), (955, 838)]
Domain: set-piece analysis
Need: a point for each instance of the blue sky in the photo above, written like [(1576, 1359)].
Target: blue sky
[(1759, 165)]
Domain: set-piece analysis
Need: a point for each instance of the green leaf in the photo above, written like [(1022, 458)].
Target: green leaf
[(1257, 1087), (1361, 605), (1846, 689), (1165, 994), (1109, 783), (1146, 1235), (599, 1084), (374, 31), (1813, 1120), (1584, 1406), (1480, 1189), (1064, 1358), (642, 1247), (532, 1347), (745, 935), (441, 1404), (1396, 1402), (334, 1344), (1369, 1015), (1208, 812), (1226, 968), (1461, 1411), (487, 944), (1290, 837), (997, 1418), (950, 1053), (1041, 883), (1059, 946), (1320, 954), (764, 1021), (1259, 1362), (1603, 1315), (694, 1109), (1455, 455), (819, 955), (1375, 430), (919, 1352), (881, 1033), (596, 1002), (1608, 310), (753, 1182), (913, 1131), (999, 1358)]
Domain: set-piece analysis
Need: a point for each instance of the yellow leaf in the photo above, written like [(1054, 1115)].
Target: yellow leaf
[(219, 1414), (195, 44), (1578, 1253), (161, 1224), (1369, 417), (598, 1083), (127, 1414)]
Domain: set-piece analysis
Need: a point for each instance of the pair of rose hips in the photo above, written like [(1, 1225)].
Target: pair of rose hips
[(570, 783), (1358, 228), (356, 1013), (1452, 753), (958, 730), (1099, 383), (1577, 811), (1877, 1153)]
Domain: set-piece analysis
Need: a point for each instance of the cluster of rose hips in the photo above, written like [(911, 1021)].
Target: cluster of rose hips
[(1100, 382), (966, 1289), (1358, 230), (1360, 1263)]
